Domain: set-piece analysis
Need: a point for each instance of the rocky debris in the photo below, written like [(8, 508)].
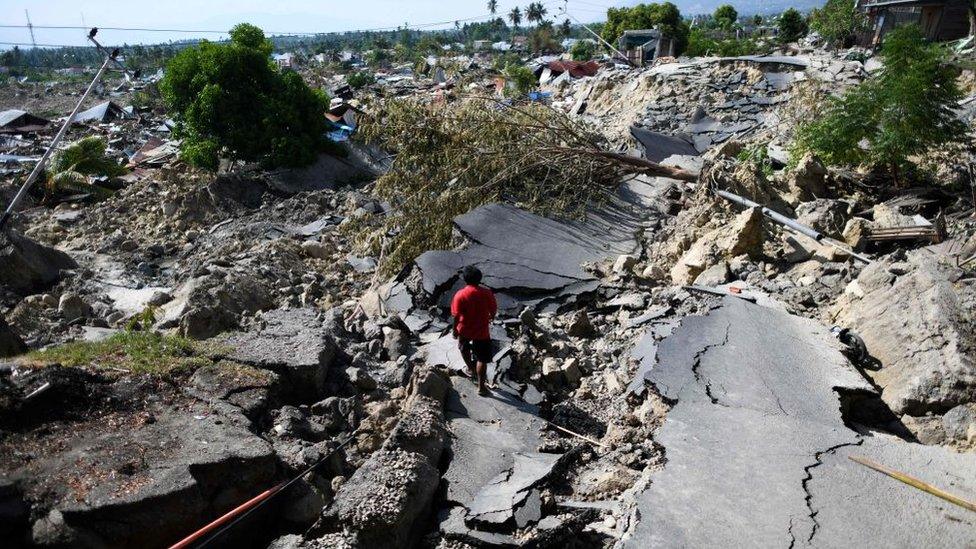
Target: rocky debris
[(291, 342), (27, 266), (383, 502), (765, 383), (743, 236), (916, 320)]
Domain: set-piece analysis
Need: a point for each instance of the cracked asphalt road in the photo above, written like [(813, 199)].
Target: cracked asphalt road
[(757, 448)]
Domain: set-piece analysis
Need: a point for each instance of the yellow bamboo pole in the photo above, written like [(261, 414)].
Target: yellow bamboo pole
[(914, 482)]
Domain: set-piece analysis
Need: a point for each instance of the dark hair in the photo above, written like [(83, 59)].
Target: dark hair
[(471, 275)]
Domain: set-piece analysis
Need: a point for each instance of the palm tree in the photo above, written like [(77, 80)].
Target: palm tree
[(535, 12), (493, 6), (515, 16)]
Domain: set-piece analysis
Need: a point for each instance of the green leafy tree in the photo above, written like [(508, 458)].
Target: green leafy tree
[(838, 21), (757, 20), (903, 110), (584, 50), (230, 99), (725, 16), (515, 16), (665, 17), (792, 26)]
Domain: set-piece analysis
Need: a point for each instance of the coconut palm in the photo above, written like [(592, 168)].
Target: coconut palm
[(515, 16), (493, 6), (535, 12)]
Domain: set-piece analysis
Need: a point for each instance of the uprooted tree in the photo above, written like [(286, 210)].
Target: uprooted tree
[(232, 101), (452, 158), (903, 110)]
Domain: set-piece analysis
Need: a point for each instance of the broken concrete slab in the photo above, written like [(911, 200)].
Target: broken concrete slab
[(758, 397), (386, 498), (143, 482), (291, 342), (881, 504), (504, 497), (527, 258), (494, 465), (658, 146)]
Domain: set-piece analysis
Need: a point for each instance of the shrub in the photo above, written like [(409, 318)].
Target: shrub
[(360, 79), (583, 50), (792, 26), (700, 44), (522, 79), (230, 98), (838, 22), (903, 110)]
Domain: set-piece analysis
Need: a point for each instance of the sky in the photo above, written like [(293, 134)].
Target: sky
[(281, 16)]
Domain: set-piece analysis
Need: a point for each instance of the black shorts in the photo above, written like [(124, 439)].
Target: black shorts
[(475, 350)]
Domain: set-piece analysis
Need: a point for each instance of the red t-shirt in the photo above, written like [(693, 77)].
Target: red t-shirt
[(473, 307)]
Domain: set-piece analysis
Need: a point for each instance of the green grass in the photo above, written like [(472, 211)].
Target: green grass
[(137, 352)]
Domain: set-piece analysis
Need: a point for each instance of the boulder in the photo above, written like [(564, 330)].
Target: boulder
[(624, 264), (856, 232), (808, 178), (72, 306), (715, 275), (580, 325), (919, 325), (10, 342), (26, 266), (825, 215), (316, 249), (959, 424)]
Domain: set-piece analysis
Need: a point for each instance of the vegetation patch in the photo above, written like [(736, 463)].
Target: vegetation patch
[(136, 352), (903, 110)]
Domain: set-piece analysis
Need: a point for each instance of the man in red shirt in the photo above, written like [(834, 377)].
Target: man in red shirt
[(473, 309)]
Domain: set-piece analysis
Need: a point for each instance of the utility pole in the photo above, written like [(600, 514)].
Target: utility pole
[(30, 27)]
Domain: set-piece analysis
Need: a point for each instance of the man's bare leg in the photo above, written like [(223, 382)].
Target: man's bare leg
[(470, 366), (482, 376)]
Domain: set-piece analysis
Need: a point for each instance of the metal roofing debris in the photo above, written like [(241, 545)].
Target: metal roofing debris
[(16, 119), (103, 112), (576, 69)]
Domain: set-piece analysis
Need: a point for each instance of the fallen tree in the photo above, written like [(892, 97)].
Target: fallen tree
[(450, 159)]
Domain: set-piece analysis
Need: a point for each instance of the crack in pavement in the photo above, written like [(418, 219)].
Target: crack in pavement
[(696, 366), (808, 498)]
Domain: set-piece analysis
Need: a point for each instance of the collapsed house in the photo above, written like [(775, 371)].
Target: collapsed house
[(644, 46), (15, 120), (940, 20)]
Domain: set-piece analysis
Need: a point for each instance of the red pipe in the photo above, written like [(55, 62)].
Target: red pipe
[(227, 517)]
